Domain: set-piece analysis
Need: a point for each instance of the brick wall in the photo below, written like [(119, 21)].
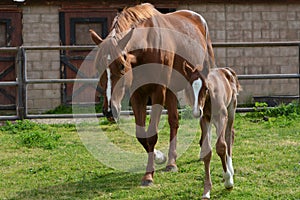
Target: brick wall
[(255, 23), (41, 28)]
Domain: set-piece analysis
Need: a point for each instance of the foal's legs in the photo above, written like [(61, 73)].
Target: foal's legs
[(206, 153), (221, 147), (229, 138), (171, 104), (229, 135)]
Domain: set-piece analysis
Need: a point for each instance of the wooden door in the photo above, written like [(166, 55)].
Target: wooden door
[(10, 36), (74, 30)]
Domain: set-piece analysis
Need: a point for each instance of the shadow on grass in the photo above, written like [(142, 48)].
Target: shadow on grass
[(96, 187), (120, 185)]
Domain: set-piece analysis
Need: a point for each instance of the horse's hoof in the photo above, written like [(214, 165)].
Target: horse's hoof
[(228, 178), (146, 183), (229, 188), (171, 168)]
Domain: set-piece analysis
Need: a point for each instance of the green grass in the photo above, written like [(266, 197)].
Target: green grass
[(68, 109), (31, 134), (266, 160)]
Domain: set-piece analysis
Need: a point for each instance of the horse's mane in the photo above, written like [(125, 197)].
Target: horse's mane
[(133, 16)]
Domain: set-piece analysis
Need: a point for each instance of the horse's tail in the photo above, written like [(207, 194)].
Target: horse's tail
[(210, 56), (233, 79), (210, 51)]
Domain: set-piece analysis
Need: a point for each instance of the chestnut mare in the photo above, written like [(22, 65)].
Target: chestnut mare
[(141, 36), (127, 48), (219, 109)]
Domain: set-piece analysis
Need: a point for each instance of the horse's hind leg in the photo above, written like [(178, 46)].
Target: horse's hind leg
[(229, 135), (221, 147), (206, 153)]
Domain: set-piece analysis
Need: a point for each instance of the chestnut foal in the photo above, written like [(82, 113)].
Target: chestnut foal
[(219, 109)]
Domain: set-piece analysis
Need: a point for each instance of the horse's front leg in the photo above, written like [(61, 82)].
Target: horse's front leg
[(206, 153), (152, 140), (171, 104), (158, 98), (139, 102)]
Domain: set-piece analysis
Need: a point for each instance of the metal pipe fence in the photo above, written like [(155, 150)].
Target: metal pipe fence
[(22, 80)]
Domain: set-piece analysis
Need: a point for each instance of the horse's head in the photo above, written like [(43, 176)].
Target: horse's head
[(199, 88), (112, 63)]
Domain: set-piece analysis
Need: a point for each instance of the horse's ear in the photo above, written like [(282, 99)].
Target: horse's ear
[(124, 41), (95, 37)]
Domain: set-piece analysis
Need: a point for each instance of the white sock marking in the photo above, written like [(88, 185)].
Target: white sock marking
[(228, 175), (159, 157), (206, 196), (229, 165)]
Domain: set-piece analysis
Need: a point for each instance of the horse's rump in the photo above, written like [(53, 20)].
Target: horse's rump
[(233, 79)]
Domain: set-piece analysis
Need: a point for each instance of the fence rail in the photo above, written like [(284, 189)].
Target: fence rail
[(22, 80), (257, 44)]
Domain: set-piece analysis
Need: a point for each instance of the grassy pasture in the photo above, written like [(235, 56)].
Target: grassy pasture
[(39, 161)]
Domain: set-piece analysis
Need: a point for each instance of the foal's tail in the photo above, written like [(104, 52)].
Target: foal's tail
[(233, 79)]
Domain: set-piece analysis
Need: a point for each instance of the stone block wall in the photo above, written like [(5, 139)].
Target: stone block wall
[(41, 28), (261, 22)]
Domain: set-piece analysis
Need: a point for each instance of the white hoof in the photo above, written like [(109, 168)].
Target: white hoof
[(159, 157), (206, 196), (228, 177)]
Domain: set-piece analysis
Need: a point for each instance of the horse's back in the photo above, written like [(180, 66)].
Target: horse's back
[(193, 18), (186, 33), (198, 21)]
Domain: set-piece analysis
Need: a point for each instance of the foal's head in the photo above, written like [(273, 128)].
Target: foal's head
[(199, 88)]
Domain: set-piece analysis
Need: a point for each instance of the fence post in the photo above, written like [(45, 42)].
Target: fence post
[(20, 79), (21, 102)]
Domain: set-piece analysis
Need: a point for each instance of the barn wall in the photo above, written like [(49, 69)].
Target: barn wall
[(41, 28), (255, 23)]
